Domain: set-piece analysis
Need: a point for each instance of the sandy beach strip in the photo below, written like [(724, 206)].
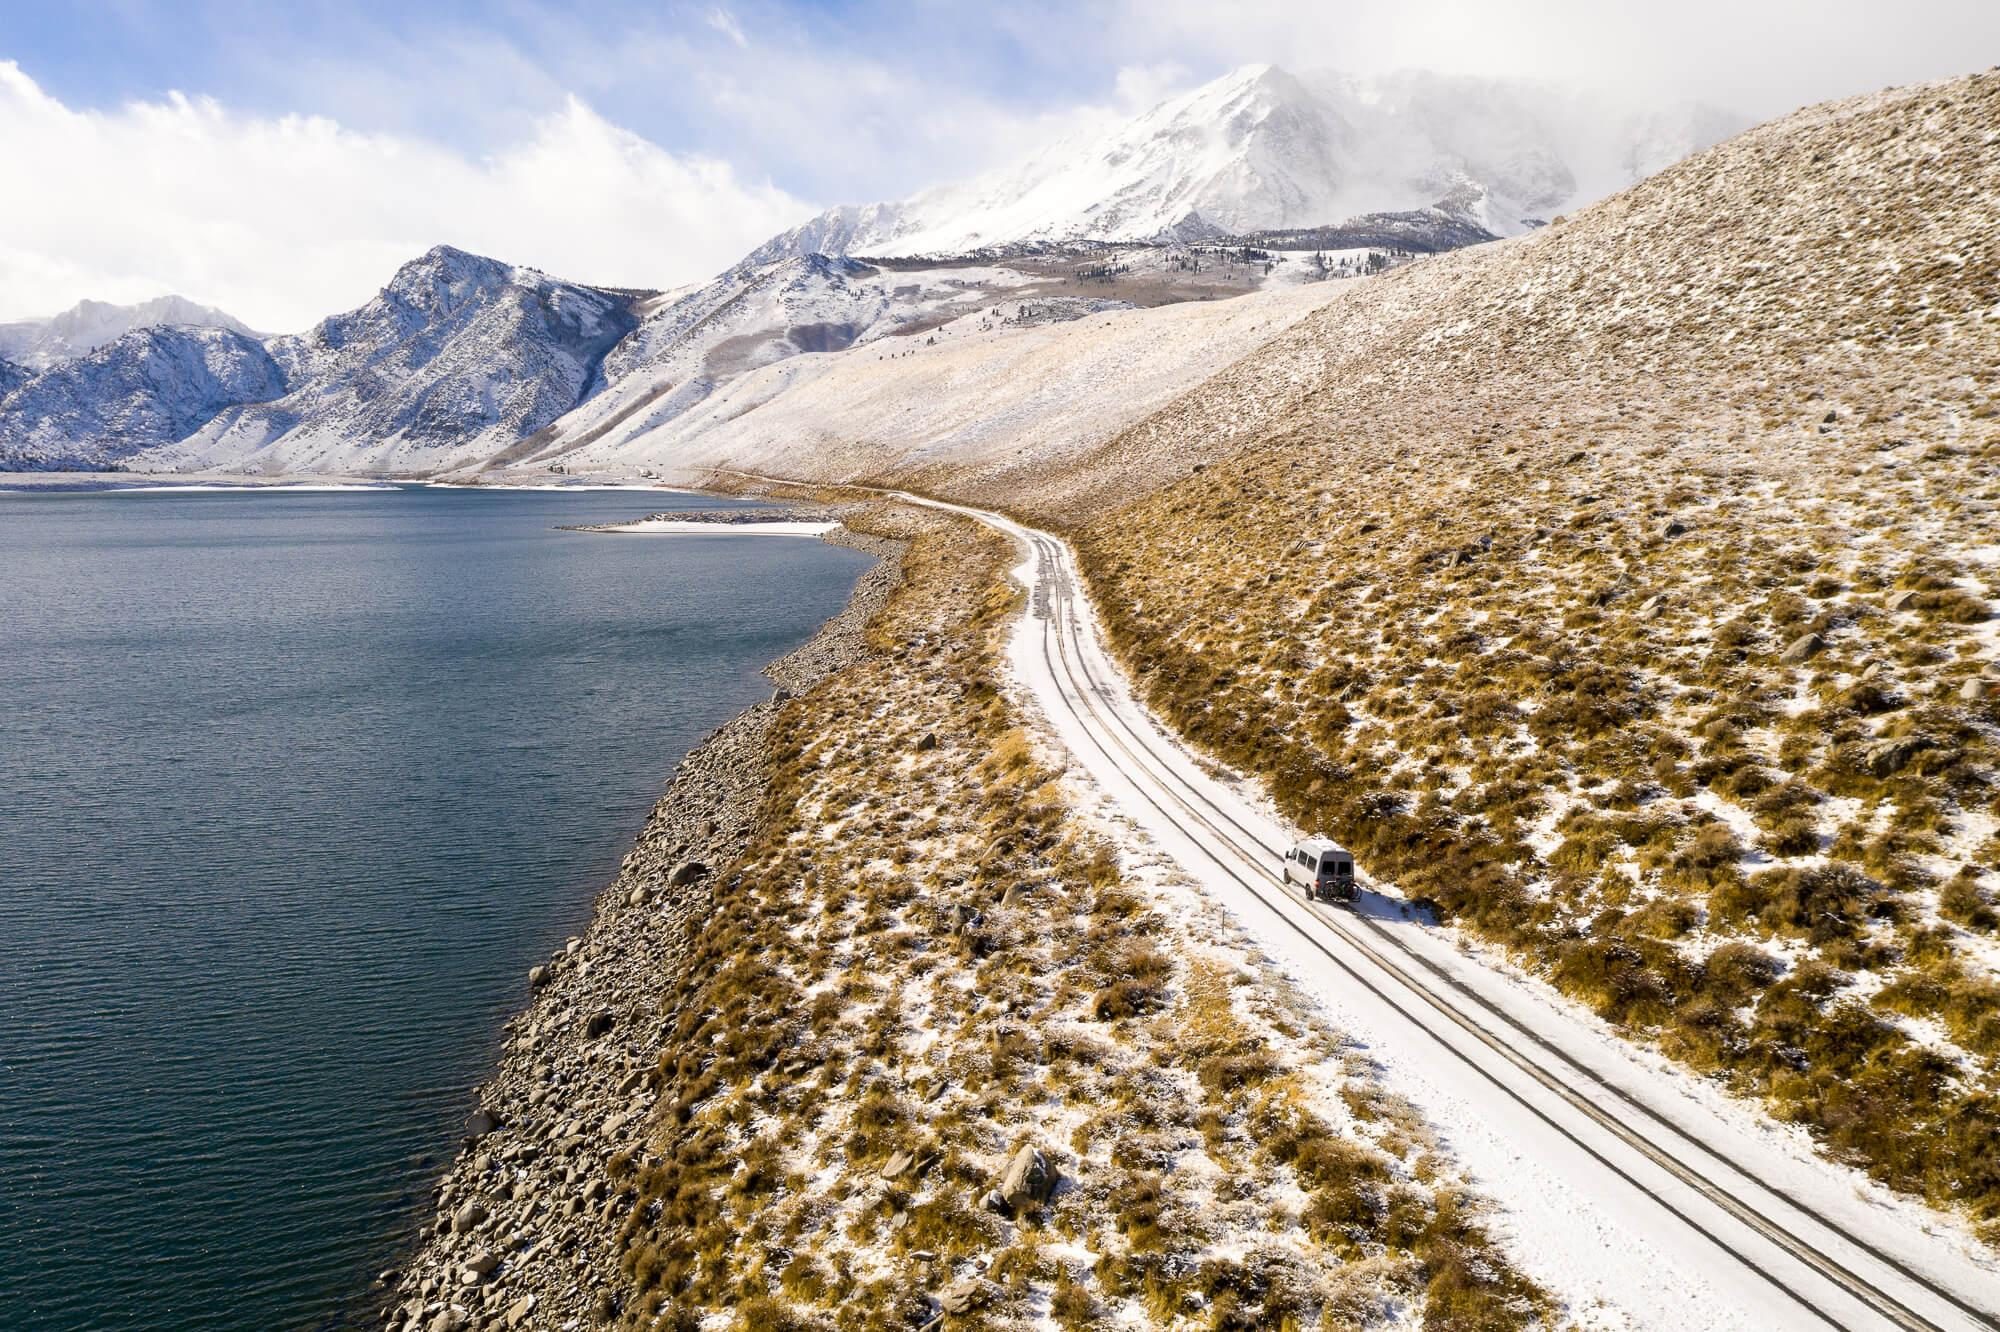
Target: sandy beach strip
[(683, 527)]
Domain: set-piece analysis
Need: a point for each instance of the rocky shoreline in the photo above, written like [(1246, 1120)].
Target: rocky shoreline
[(525, 1227)]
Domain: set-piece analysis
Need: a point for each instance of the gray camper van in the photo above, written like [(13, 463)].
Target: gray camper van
[(1322, 869)]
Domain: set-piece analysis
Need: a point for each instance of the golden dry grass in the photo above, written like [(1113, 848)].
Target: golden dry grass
[(1627, 591), (927, 953)]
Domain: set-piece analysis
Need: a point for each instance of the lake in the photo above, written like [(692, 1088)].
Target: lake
[(294, 789)]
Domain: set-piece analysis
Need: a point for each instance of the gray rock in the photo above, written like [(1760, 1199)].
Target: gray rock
[(468, 1218), (898, 1164), (687, 872), (1901, 600), (1026, 1183), (538, 977), (519, 1310), (963, 1296), (1801, 649), (483, 1122), (599, 1024), (1972, 691), (448, 1320), (482, 1265), (957, 917), (1650, 607), (638, 896)]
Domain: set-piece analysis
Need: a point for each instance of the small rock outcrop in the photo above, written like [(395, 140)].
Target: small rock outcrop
[(1802, 648), (1885, 758)]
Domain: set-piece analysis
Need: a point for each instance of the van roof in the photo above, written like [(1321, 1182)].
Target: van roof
[(1319, 846)]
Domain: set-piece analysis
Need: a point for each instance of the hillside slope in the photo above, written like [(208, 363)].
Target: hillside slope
[(1626, 589), (689, 346), (997, 390)]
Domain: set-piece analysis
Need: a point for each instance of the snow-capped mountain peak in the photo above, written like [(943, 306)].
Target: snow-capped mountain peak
[(1261, 148), (37, 344)]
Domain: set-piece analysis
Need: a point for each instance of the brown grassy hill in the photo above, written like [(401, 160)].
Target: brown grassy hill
[(1625, 589), (926, 965)]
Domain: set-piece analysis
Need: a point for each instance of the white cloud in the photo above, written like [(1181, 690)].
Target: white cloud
[(1140, 88), (725, 23), (282, 221), (1761, 58)]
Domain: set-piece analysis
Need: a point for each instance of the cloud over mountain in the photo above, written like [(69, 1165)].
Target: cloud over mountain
[(280, 219)]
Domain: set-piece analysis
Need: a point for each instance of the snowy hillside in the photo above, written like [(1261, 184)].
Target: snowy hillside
[(12, 376), (989, 393), (1262, 149), (37, 344), (146, 388), (707, 355), (752, 316)]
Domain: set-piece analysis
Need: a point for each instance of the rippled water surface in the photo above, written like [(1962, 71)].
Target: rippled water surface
[(294, 788)]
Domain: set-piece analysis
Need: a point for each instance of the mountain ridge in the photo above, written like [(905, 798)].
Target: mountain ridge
[(38, 344), (457, 356), (147, 387)]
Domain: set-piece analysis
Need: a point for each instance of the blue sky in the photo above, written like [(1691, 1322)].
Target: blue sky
[(280, 158), (475, 74)]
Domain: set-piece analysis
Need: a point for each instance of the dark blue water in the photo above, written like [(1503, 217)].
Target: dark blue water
[(294, 788)]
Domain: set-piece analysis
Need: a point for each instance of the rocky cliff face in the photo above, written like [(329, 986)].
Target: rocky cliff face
[(147, 388), (456, 358), (12, 376)]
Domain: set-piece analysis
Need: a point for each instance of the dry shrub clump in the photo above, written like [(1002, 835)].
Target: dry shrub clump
[(1626, 591), (927, 963)]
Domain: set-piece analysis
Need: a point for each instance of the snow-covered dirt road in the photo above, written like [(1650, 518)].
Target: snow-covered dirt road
[(1641, 1196)]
